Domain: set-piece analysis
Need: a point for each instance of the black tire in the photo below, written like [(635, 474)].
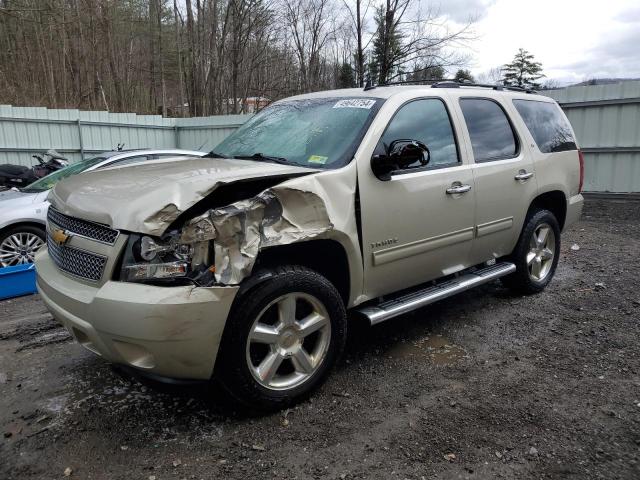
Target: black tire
[(30, 229), (232, 370), (522, 281)]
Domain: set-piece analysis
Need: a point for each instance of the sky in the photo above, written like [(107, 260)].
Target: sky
[(575, 40)]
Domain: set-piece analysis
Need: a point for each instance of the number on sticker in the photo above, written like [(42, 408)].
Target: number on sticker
[(355, 103)]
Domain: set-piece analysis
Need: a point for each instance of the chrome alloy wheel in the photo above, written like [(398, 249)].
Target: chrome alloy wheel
[(542, 250), (288, 341), (19, 248)]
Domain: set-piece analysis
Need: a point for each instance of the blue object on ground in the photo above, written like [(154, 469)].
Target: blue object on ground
[(17, 281)]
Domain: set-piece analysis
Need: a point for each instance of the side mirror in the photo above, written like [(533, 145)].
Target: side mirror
[(400, 155)]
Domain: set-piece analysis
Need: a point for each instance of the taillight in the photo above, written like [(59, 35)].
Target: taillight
[(581, 159)]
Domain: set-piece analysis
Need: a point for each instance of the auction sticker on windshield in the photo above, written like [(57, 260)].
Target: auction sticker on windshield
[(355, 103)]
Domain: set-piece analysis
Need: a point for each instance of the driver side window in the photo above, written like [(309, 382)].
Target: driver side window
[(427, 121)]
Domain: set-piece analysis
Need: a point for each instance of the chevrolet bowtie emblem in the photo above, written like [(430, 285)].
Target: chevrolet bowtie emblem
[(60, 237)]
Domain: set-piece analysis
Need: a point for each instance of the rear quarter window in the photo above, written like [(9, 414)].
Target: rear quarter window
[(547, 124)]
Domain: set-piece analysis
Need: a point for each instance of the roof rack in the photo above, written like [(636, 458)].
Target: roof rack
[(450, 83)]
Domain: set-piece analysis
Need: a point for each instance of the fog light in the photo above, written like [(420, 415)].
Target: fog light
[(134, 355)]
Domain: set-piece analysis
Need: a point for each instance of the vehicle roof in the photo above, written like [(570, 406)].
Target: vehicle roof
[(388, 91)]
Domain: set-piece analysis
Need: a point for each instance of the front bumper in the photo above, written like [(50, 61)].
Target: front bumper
[(168, 331)]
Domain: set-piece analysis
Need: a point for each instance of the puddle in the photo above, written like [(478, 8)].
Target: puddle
[(436, 347)]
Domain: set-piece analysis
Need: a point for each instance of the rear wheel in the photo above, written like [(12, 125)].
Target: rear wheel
[(282, 338), (18, 245), (536, 254)]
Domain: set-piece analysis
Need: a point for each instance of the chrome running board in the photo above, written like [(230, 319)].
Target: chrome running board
[(416, 299)]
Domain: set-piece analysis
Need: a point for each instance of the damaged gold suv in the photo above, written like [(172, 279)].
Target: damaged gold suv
[(241, 266)]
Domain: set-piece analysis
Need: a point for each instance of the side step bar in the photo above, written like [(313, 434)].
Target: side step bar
[(416, 299)]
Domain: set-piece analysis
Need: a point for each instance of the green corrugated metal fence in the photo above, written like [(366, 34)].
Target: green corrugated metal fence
[(76, 133), (606, 119)]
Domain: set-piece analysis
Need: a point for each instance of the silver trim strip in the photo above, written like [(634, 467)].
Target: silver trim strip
[(421, 246), (494, 226)]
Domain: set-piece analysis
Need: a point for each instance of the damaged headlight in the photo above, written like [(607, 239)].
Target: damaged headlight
[(152, 259)]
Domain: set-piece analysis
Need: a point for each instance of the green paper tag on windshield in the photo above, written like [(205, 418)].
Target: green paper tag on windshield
[(318, 159)]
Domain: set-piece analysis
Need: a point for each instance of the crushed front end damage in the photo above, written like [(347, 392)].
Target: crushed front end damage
[(277, 216), (129, 316)]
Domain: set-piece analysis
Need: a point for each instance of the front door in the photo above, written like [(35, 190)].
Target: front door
[(418, 225)]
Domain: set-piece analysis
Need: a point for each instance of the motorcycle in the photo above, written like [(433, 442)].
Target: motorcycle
[(21, 176)]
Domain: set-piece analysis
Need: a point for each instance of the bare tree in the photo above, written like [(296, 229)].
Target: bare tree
[(493, 76), (176, 26), (405, 36), (310, 26), (214, 56), (358, 15)]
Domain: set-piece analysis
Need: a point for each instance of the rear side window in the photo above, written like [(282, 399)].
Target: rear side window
[(547, 124), (426, 120), (491, 133)]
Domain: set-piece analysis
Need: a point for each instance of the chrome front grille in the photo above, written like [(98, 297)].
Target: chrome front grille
[(83, 228), (75, 261)]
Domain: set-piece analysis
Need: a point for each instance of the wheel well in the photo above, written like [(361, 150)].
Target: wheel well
[(327, 257), (22, 224), (555, 202)]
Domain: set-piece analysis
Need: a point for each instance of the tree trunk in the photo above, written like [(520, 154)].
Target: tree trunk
[(179, 55), (359, 52)]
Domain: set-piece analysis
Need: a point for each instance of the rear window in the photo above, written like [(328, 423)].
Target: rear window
[(491, 134), (547, 124)]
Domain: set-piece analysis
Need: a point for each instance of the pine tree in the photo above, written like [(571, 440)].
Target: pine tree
[(464, 76), (346, 78), (523, 71), (386, 45)]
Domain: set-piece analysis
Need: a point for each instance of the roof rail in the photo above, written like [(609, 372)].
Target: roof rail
[(450, 83)]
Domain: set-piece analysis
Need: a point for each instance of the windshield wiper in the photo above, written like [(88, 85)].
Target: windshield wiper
[(264, 158), (213, 154)]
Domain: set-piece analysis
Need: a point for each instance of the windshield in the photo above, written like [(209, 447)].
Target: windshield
[(321, 133), (46, 183)]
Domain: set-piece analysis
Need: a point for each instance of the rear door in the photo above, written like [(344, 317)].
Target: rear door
[(503, 173), (418, 225)]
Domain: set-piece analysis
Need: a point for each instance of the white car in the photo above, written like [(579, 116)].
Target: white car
[(23, 213)]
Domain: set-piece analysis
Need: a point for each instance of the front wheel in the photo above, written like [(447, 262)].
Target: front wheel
[(281, 339), (536, 254)]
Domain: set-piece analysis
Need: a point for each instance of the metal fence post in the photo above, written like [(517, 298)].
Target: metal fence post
[(177, 136), (80, 140)]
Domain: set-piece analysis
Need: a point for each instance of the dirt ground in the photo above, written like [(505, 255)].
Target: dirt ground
[(483, 385)]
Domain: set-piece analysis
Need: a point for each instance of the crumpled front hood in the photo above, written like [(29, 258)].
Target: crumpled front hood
[(147, 198)]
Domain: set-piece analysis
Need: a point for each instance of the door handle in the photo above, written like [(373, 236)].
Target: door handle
[(458, 188), (523, 176)]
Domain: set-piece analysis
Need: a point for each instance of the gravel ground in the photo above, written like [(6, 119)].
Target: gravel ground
[(483, 385)]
